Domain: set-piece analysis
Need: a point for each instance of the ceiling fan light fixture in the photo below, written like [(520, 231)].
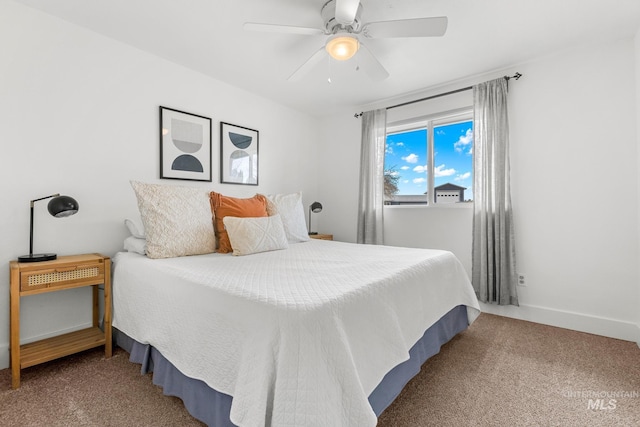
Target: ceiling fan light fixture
[(342, 47)]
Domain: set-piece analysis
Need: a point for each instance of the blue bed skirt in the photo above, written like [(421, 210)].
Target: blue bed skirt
[(213, 408)]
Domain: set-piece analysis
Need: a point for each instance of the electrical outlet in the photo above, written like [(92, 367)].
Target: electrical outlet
[(522, 279)]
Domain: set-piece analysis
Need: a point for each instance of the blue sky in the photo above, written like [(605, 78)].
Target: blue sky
[(406, 153)]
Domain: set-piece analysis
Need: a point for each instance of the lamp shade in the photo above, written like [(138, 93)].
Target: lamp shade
[(342, 47), (316, 207), (62, 206)]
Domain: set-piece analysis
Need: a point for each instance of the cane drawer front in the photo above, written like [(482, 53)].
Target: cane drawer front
[(62, 276)]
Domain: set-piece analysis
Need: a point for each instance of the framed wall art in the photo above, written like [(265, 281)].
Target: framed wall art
[(185, 145), (238, 155)]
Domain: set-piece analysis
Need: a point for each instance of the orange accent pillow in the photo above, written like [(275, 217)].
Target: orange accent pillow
[(221, 206)]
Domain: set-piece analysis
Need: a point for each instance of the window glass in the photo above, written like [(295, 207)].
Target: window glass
[(406, 163), (453, 161), (413, 168)]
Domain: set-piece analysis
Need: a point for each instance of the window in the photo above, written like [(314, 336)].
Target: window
[(430, 156)]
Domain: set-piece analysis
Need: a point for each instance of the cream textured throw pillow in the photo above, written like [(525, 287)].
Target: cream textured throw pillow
[(253, 235), (289, 207), (177, 220)]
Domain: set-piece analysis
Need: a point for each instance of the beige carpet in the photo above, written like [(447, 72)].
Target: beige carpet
[(505, 372), (500, 372)]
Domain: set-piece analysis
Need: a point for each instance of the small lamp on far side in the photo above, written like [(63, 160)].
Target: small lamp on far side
[(315, 207), (60, 207)]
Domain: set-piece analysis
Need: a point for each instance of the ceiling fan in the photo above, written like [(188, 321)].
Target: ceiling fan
[(346, 32)]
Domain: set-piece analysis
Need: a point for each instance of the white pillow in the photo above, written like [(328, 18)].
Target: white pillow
[(289, 207), (253, 235), (177, 220), (135, 228), (135, 244)]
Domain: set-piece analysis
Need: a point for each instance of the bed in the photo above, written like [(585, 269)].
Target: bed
[(251, 323), (322, 333)]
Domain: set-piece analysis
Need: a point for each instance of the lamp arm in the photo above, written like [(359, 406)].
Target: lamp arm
[(31, 230), (43, 198), (31, 219)]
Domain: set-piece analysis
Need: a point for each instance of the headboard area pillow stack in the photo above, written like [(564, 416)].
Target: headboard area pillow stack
[(177, 220), (180, 221), (289, 207), (137, 242), (254, 235), (224, 206)]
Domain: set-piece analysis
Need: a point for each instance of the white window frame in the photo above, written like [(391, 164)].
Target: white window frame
[(429, 122)]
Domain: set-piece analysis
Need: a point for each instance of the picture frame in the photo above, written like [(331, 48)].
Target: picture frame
[(185, 145), (239, 154)]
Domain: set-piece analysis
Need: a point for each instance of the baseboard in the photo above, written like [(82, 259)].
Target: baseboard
[(5, 356), (611, 328)]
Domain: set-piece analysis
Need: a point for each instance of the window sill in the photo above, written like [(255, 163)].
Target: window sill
[(467, 205)]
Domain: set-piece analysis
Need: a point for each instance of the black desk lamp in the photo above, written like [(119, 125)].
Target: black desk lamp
[(315, 207), (60, 207)]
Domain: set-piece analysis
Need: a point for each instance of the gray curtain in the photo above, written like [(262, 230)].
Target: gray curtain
[(371, 198), (494, 262)]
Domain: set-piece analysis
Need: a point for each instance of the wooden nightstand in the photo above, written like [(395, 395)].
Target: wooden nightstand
[(321, 236), (66, 272)]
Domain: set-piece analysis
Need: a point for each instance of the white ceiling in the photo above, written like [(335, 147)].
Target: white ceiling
[(483, 35)]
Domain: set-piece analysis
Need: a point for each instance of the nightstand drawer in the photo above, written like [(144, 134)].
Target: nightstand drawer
[(62, 276)]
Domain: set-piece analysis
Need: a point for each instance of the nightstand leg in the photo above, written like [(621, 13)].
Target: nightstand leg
[(107, 309), (15, 328), (96, 306)]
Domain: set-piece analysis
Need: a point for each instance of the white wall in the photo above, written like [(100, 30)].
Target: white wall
[(574, 151), (637, 81), (338, 177), (79, 116), (574, 148)]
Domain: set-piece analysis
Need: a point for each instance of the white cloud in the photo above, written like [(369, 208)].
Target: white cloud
[(394, 173), (400, 144), (405, 167), (419, 180), (463, 176), (420, 169), (463, 141), (440, 171), (405, 181), (411, 158)]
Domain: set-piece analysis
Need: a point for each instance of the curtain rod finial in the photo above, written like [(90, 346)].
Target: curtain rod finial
[(516, 76)]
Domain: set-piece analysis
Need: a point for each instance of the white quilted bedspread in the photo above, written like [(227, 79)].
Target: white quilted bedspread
[(299, 337)]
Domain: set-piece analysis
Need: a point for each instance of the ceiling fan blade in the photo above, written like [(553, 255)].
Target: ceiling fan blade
[(307, 66), (371, 65), (287, 29), (419, 27), (346, 11)]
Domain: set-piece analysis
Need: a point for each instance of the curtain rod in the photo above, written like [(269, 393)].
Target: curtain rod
[(516, 76)]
